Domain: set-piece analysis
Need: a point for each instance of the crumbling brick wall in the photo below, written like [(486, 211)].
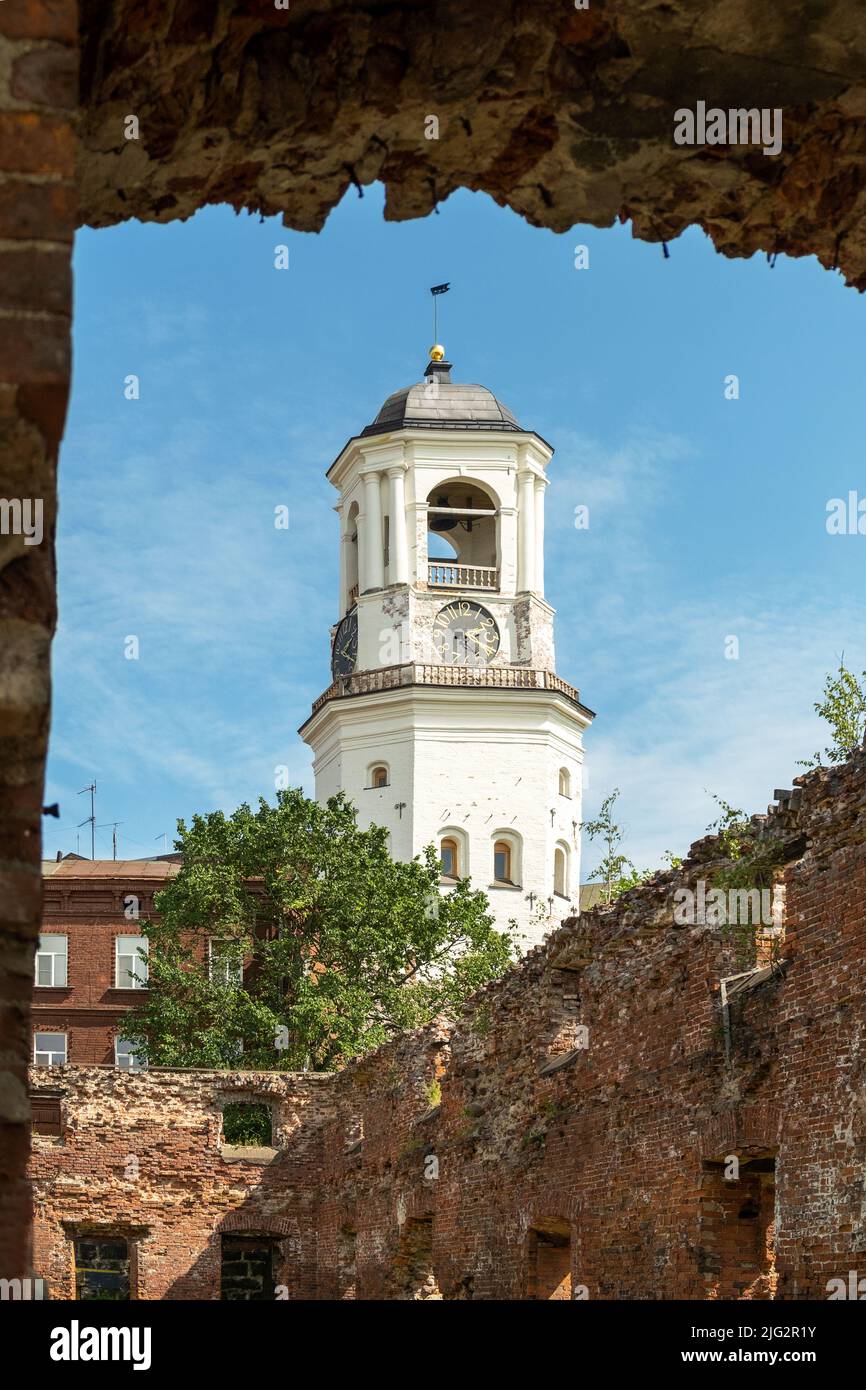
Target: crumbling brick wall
[(38, 95), (140, 1156), (595, 1124)]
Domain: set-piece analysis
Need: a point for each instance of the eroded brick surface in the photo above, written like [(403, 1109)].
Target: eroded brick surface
[(564, 115)]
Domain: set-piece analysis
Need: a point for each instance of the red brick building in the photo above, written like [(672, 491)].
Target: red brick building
[(88, 970)]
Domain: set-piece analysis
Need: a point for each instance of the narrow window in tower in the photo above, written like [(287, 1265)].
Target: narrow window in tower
[(560, 873), (449, 859), (386, 533), (502, 862), (379, 777), (564, 782)]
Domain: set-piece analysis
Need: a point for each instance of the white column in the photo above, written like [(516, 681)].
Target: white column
[(540, 486), (397, 512), (526, 531), (345, 542), (372, 550)]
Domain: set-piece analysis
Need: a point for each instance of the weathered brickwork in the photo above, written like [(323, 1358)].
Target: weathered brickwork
[(573, 1131), (38, 208), (141, 1156)]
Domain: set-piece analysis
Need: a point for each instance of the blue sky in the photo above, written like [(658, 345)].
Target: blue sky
[(707, 515)]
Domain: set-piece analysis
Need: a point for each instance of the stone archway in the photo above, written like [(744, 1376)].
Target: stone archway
[(564, 116)]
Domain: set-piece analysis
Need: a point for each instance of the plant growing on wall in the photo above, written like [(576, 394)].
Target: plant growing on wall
[(750, 863), (290, 939), (843, 708), (616, 870)]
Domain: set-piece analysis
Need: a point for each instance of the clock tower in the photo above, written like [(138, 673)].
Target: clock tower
[(445, 720)]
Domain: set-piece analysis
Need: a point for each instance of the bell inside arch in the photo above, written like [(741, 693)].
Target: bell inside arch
[(442, 523)]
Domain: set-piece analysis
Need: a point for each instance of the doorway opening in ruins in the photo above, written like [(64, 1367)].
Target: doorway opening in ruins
[(413, 1276), (549, 1260), (247, 1269), (738, 1199)]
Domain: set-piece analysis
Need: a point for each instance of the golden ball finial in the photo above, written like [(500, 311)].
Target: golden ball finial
[(437, 353)]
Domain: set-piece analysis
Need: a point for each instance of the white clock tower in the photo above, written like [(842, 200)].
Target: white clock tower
[(446, 722)]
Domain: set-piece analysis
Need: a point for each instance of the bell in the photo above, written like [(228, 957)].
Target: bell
[(442, 523)]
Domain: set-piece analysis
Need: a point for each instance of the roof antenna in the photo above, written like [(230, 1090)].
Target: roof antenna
[(114, 824), (91, 819)]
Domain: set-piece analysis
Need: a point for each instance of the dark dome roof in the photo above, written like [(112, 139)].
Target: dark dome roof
[(448, 405)]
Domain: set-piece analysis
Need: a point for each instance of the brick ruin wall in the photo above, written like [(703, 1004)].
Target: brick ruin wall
[(490, 1156)]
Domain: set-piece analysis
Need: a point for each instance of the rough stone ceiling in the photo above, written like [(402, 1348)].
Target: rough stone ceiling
[(564, 115)]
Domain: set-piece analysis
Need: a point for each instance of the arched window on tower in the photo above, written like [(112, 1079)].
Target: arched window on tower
[(560, 871), (379, 777), (463, 536), (449, 858), (507, 848), (502, 862), (564, 782)]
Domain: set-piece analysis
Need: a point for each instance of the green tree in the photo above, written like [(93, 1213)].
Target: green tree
[(616, 870), (290, 938), (844, 709)]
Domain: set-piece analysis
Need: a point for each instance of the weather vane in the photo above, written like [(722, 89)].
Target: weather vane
[(437, 352)]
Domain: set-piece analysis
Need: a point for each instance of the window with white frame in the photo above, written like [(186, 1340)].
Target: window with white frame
[(131, 970), (225, 967), (51, 957), (449, 858), (560, 871), (564, 782), (49, 1049), (507, 845), (126, 1058), (502, 862)]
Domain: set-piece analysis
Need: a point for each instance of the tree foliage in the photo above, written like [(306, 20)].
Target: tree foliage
[(616, 870), (843, 708), (290, 938)]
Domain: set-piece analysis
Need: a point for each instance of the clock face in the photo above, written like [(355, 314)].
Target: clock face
[(465, 634), (344, 652)]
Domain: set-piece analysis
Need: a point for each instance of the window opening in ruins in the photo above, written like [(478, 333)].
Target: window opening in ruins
[(248, 1124), (549, 1260), (738, 1198), (47, 1115), (247, 1269), (102, 1267)]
